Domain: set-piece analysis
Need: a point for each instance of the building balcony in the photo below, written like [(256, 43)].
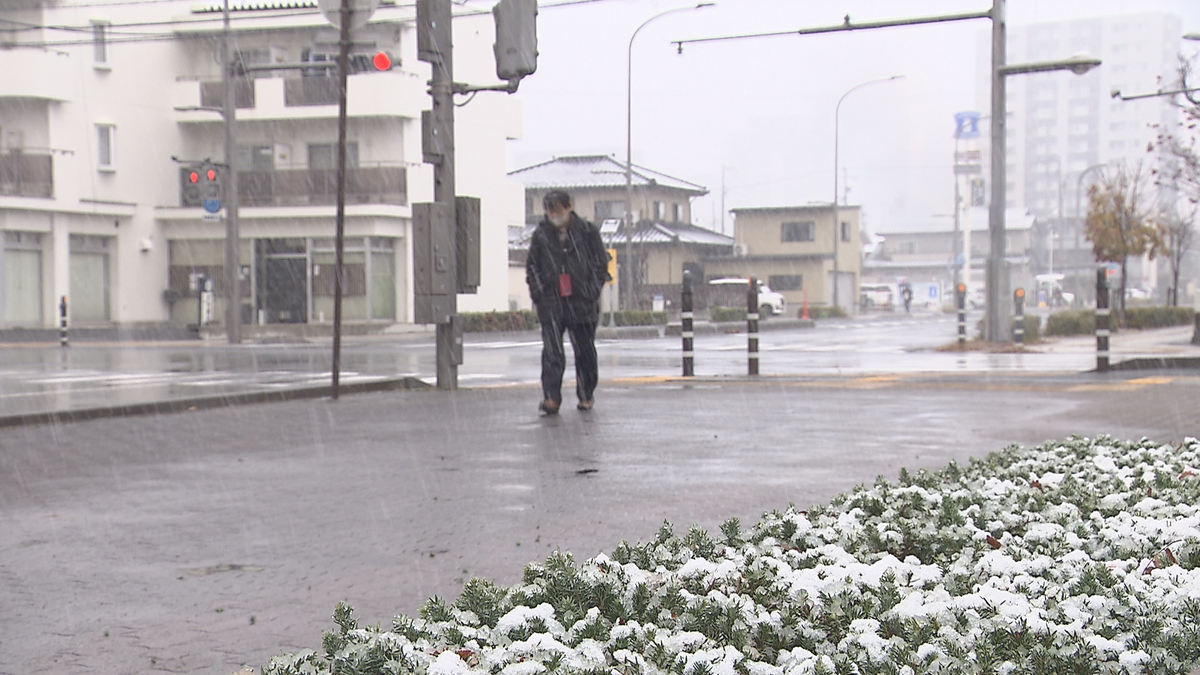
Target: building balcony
[(389, 94), (36, 73), (24, 174), (373, 184)]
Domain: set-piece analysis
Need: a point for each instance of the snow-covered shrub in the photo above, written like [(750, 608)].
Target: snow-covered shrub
[(1074, 557)]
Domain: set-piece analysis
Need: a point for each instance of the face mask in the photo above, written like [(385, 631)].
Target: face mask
[(559, 221)]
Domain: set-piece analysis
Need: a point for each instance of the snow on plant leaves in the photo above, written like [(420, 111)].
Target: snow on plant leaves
[(1079, 556)]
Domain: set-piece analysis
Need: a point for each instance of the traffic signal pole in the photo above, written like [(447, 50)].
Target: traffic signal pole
[(233, 298)]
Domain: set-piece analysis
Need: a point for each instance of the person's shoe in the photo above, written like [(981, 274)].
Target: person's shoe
[(586, 405), (548, 407)]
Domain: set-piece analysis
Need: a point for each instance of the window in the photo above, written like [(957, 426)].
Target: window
[(786, 282), (609, 210), (106, 152), (100, 44), (324, 155), (660, 211), (802, 231), (678, 212), (845, 231)]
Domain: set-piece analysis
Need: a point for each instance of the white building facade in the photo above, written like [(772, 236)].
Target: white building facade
[(105, 110)]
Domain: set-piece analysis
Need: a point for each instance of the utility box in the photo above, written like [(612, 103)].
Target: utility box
[(434, 248), (467, 219)]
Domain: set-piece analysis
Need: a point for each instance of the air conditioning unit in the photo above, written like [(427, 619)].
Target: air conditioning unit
[(741, 250)]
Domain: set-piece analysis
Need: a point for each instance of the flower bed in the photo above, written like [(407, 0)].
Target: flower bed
[(1074, 557)]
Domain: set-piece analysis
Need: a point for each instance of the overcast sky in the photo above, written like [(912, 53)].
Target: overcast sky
[(757, 116)]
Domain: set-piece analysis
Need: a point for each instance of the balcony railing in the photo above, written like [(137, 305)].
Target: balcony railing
[(212, 94), (24, 174), (298, 91), (377, 184)]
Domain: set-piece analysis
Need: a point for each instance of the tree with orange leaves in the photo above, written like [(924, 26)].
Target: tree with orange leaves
[(1120, 220)]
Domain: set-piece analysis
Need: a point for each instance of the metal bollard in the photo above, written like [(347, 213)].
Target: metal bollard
[(752, 325), (1019, 321), (686, 329), (62, 323), (960, 298), (1102, 320)]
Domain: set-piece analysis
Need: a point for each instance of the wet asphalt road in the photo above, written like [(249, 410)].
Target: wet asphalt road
[(199, 542), (42, 378)]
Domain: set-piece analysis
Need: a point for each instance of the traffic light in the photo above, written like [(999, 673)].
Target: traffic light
[(201, 185), (210, 184), (516, 38)]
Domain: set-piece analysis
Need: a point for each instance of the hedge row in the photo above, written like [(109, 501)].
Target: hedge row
[(1083, 321), (490, 322), (822, 312)]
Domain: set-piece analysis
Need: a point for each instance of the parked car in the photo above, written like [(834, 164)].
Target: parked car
[(876, 296), (732, 293)]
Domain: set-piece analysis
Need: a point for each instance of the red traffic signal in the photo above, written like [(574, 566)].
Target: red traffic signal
[(212, 174), (382, 61), (194, 177)]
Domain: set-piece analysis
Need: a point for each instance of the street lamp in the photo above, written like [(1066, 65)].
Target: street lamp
[(629, 145), (997, 273), (837, 233)]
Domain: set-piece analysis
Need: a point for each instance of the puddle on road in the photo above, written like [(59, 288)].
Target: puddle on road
[(217, 569)]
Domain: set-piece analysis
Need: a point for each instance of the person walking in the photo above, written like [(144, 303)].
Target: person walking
[(566, 269)]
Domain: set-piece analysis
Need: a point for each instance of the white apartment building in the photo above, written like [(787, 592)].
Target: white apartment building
[(99, 122), (1060, 124)]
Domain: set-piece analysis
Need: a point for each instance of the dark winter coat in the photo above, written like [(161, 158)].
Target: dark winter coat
[(582, 255)]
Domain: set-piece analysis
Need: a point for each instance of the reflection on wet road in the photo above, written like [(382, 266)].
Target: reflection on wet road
[(37, 378)]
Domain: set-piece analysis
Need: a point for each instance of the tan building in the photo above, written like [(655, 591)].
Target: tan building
[(791, 248), (663, 240)]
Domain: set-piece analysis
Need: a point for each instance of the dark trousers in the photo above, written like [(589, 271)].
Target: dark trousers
[(554, 358)]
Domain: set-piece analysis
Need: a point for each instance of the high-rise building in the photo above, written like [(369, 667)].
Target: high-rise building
[(1060, 124), (1063, 128)]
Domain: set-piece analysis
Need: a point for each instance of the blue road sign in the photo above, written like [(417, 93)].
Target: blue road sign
[(211, 205)]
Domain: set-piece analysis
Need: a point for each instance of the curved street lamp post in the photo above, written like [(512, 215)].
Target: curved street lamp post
[(628, 267), (837, 230)]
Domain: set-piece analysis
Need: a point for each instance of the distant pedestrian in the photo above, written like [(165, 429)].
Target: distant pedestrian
[(566, 269), (906, 293)]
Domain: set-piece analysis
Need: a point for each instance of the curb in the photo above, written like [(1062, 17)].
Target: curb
[(1157, 363), (208, 402)]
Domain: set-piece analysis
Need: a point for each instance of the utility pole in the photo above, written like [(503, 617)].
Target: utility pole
[(340, 217), (233, 296), (997, 272), (435, 47)]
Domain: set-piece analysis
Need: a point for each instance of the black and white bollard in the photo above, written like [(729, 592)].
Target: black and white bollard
[(752, 325), (686, 329), (1019, 321), (960, 298), (1102, 320), (63, 340)]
